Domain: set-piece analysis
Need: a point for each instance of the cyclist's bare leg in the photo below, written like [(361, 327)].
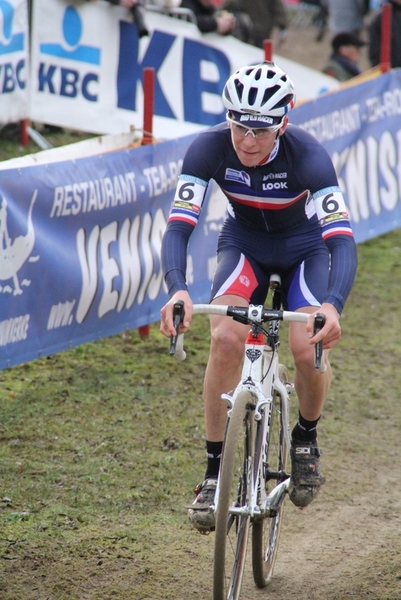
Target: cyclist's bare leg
[(311, 385), (224, 366), (222, 375)]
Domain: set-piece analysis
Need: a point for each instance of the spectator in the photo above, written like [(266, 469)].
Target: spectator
[(243, 29), (210, 19), (136, 8), (375, 36), (125, 3), (347, 15), (321, 18), (166, 3), (343, 62), (266, 15)]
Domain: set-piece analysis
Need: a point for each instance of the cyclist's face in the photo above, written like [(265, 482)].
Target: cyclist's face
[(252, 150)]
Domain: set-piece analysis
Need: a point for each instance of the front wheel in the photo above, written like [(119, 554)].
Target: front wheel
[(265, 533), (232, 530)]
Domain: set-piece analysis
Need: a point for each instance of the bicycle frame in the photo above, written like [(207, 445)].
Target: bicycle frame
[(255, 447), (261, 385), (260, 378)]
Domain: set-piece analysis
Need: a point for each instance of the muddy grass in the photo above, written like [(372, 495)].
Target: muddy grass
[(102, 445)]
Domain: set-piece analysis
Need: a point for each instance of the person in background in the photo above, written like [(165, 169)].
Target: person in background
[(343, 62), (320, 21), (137, 10), (124, 3), (374, 31), (347, 15), (266, 16), (165, 3), (297, 227), (212, 16)]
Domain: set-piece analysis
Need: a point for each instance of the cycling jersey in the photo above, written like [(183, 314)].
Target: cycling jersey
[(279, 213)]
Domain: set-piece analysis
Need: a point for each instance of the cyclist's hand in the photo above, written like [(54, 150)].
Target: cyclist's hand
[(331, 331), (166, 323)]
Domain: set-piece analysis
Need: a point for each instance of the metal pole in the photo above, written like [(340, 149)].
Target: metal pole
[(23, 133), (147, 137), (148, 105), (268, 48), (385, 47)]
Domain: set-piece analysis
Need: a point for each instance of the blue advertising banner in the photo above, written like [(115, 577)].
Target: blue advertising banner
[(80, 239), (80, 248), (361, 129)]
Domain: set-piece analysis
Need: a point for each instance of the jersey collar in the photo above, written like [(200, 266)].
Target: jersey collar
[(272, 154)]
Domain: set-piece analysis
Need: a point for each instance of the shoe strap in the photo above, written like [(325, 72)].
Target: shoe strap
[(307, 450)]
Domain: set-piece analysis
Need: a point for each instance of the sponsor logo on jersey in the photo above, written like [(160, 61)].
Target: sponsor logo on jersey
[(240, 176), (275, 176), (186, 205), (342, 216), (244, 280), (277, 185)]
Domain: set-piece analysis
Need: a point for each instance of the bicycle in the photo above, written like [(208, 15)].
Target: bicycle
[(253, 478)]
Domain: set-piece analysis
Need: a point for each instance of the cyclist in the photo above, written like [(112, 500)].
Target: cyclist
[(286, 214)]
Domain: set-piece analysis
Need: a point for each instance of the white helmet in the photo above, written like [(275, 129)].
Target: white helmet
[(262, 90)]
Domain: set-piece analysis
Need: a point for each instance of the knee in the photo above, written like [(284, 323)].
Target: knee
[(304, 359), (227, 346)]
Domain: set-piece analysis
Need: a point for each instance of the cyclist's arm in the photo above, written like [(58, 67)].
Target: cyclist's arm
[(337, 233), (184, 216)]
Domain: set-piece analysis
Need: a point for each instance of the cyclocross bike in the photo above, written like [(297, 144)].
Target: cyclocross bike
[(253, 478)]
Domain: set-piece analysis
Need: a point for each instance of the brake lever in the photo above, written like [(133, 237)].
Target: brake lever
[(320, 320), (178, 317)]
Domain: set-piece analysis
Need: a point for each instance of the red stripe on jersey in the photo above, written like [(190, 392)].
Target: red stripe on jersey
[(338, 231), (268, 203)]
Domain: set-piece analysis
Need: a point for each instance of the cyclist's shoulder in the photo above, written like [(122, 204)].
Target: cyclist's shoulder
[(307, 159), (218, 134), (303, 147), (300, 137), (210, 147)]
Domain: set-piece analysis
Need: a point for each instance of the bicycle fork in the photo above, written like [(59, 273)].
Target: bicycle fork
[(259, 504)]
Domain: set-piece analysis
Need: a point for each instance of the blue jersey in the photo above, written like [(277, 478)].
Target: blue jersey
[(293, 196)]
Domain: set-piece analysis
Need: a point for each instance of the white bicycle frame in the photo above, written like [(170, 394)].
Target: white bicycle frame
[(260, 378)]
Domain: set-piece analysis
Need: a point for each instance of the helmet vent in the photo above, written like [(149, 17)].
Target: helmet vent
[(253, 92), (269, 93), (284, 101), (240, 88), (227, 95)]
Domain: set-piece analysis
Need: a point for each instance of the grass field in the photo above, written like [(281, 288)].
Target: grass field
[(102, 445)]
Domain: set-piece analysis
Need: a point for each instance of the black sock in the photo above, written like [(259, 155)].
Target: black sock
[(213, 452), (305, 431)]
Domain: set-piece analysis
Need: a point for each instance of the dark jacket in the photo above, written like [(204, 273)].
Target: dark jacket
[(341, 68), (205, 18), (265, 15)]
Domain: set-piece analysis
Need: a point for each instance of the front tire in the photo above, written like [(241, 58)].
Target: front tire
[(265, 533), (232, 531)]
